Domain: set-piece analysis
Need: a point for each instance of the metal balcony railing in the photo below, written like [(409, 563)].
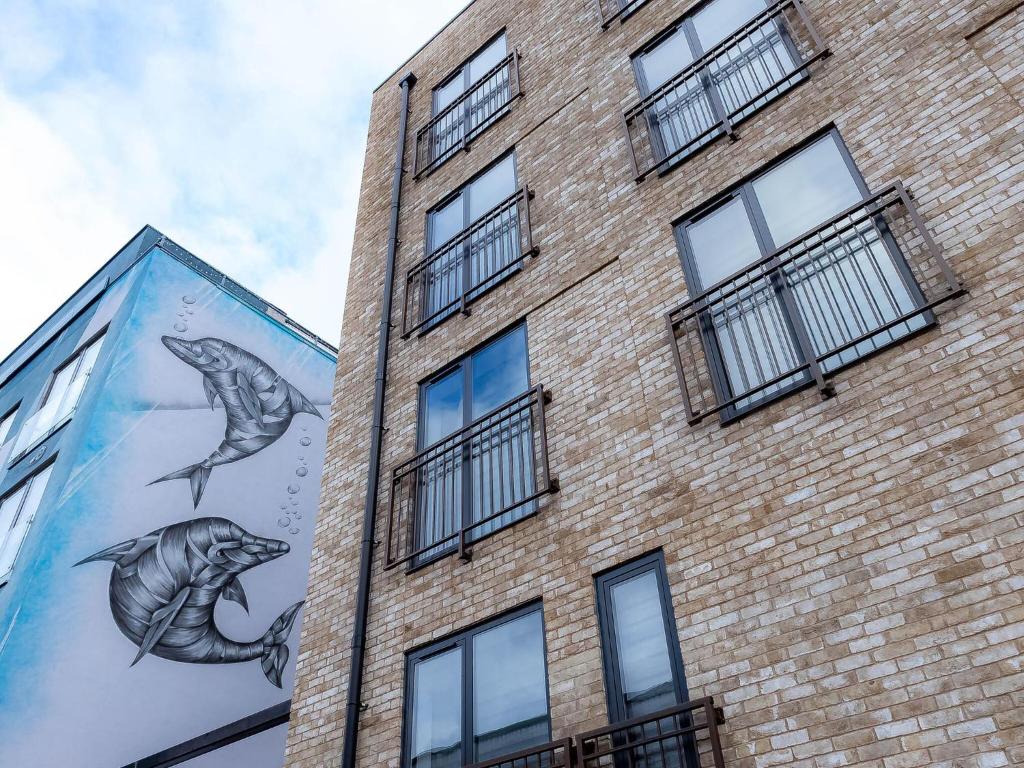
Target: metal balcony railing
[(457, 125), (684, 736), (858, 283), (556, 754), (610, 10), (472, 262), (471, 484), (759, 62)]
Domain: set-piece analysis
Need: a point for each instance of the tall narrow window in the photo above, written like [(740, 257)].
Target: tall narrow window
[(642, 662), (473, 241), (689, 107), (61, 398), (469, 100), (478, 695), (838, 299), (6, 423), (17, 511), (481, 479)]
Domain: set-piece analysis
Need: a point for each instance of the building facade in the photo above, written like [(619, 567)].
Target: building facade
[(701, 431), (162, 440)]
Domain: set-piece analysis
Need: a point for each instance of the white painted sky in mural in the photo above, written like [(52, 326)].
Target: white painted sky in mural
[(236, 128)]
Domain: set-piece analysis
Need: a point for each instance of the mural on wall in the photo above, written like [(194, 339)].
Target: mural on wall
[(165, 585), (71, 695), (258, 402)]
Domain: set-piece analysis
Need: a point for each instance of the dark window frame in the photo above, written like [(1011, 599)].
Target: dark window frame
[(73, 359), (468, 183), (26, 482), (463, 70), (463, 639), (11, 412), (603, 582), (743, 190)]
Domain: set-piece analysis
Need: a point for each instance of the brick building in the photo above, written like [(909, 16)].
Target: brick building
[(702, 411)]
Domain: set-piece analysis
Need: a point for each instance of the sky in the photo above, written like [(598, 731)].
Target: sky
[(237, 128)]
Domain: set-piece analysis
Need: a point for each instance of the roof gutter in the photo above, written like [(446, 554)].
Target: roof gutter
[(355, 675)]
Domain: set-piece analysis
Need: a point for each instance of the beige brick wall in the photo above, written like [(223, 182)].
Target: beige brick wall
[(847, 574)]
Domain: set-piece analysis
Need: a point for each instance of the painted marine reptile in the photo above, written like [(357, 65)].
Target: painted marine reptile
[(258, 402), (165, 585)]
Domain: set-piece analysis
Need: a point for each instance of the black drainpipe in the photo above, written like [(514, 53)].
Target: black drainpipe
[(355, 674)]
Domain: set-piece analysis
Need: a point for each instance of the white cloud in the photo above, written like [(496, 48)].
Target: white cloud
[(237, 129)]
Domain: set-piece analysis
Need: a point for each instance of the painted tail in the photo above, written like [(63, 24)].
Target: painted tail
[(197, 475), (275, 652)]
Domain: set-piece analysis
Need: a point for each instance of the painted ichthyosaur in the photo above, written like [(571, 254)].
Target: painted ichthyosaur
[(259, 403), (165, 585)]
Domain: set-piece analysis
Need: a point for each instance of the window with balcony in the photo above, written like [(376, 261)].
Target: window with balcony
[(482, 463), (61, 398), (478, 695), (795, 275), (712, 70), (469, 101), (475, 238), (17, 511), (617, 10)]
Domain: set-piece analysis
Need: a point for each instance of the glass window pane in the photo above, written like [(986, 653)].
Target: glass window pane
[(15, 522), (437, 711), (447, 222), (492, 187), (723, 243), (510, 706), (6, 424), (717, 21), (442, 407), (61, 382), (487, 59), (806, 190), (88, 357), (666, 60), (645, 667), (500, 372), (449, 92)]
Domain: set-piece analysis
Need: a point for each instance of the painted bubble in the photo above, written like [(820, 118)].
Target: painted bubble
[(301, 471), (284, 522), (293, 531), (180, 327), (293, 488), (305, 441), (297, 515), (188, 299)]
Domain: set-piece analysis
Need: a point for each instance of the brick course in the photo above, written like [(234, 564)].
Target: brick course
[(847, 574)]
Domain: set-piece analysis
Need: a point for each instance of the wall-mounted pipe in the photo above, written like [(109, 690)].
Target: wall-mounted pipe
[(355, 675)]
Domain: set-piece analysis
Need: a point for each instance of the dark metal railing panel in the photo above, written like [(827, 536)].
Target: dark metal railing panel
[(555, 754), (457, 125), (472, 262), (469, 485), (857, 283), (760, 61), (611, 10), (684, 736)]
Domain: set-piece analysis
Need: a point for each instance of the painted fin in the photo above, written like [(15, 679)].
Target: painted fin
[(250, 400), (233, 591), (275, 650), (301, 404), (162, 620), (125, 553), (210, 390), (197, 474)]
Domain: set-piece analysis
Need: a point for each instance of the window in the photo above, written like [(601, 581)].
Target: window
[(6, 423), (17, 510), (61, 397), (472, 243), (713, 69), (485, 482), (467, 102), (610, 10), (478, 695), (793, 270), (642, 663)]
